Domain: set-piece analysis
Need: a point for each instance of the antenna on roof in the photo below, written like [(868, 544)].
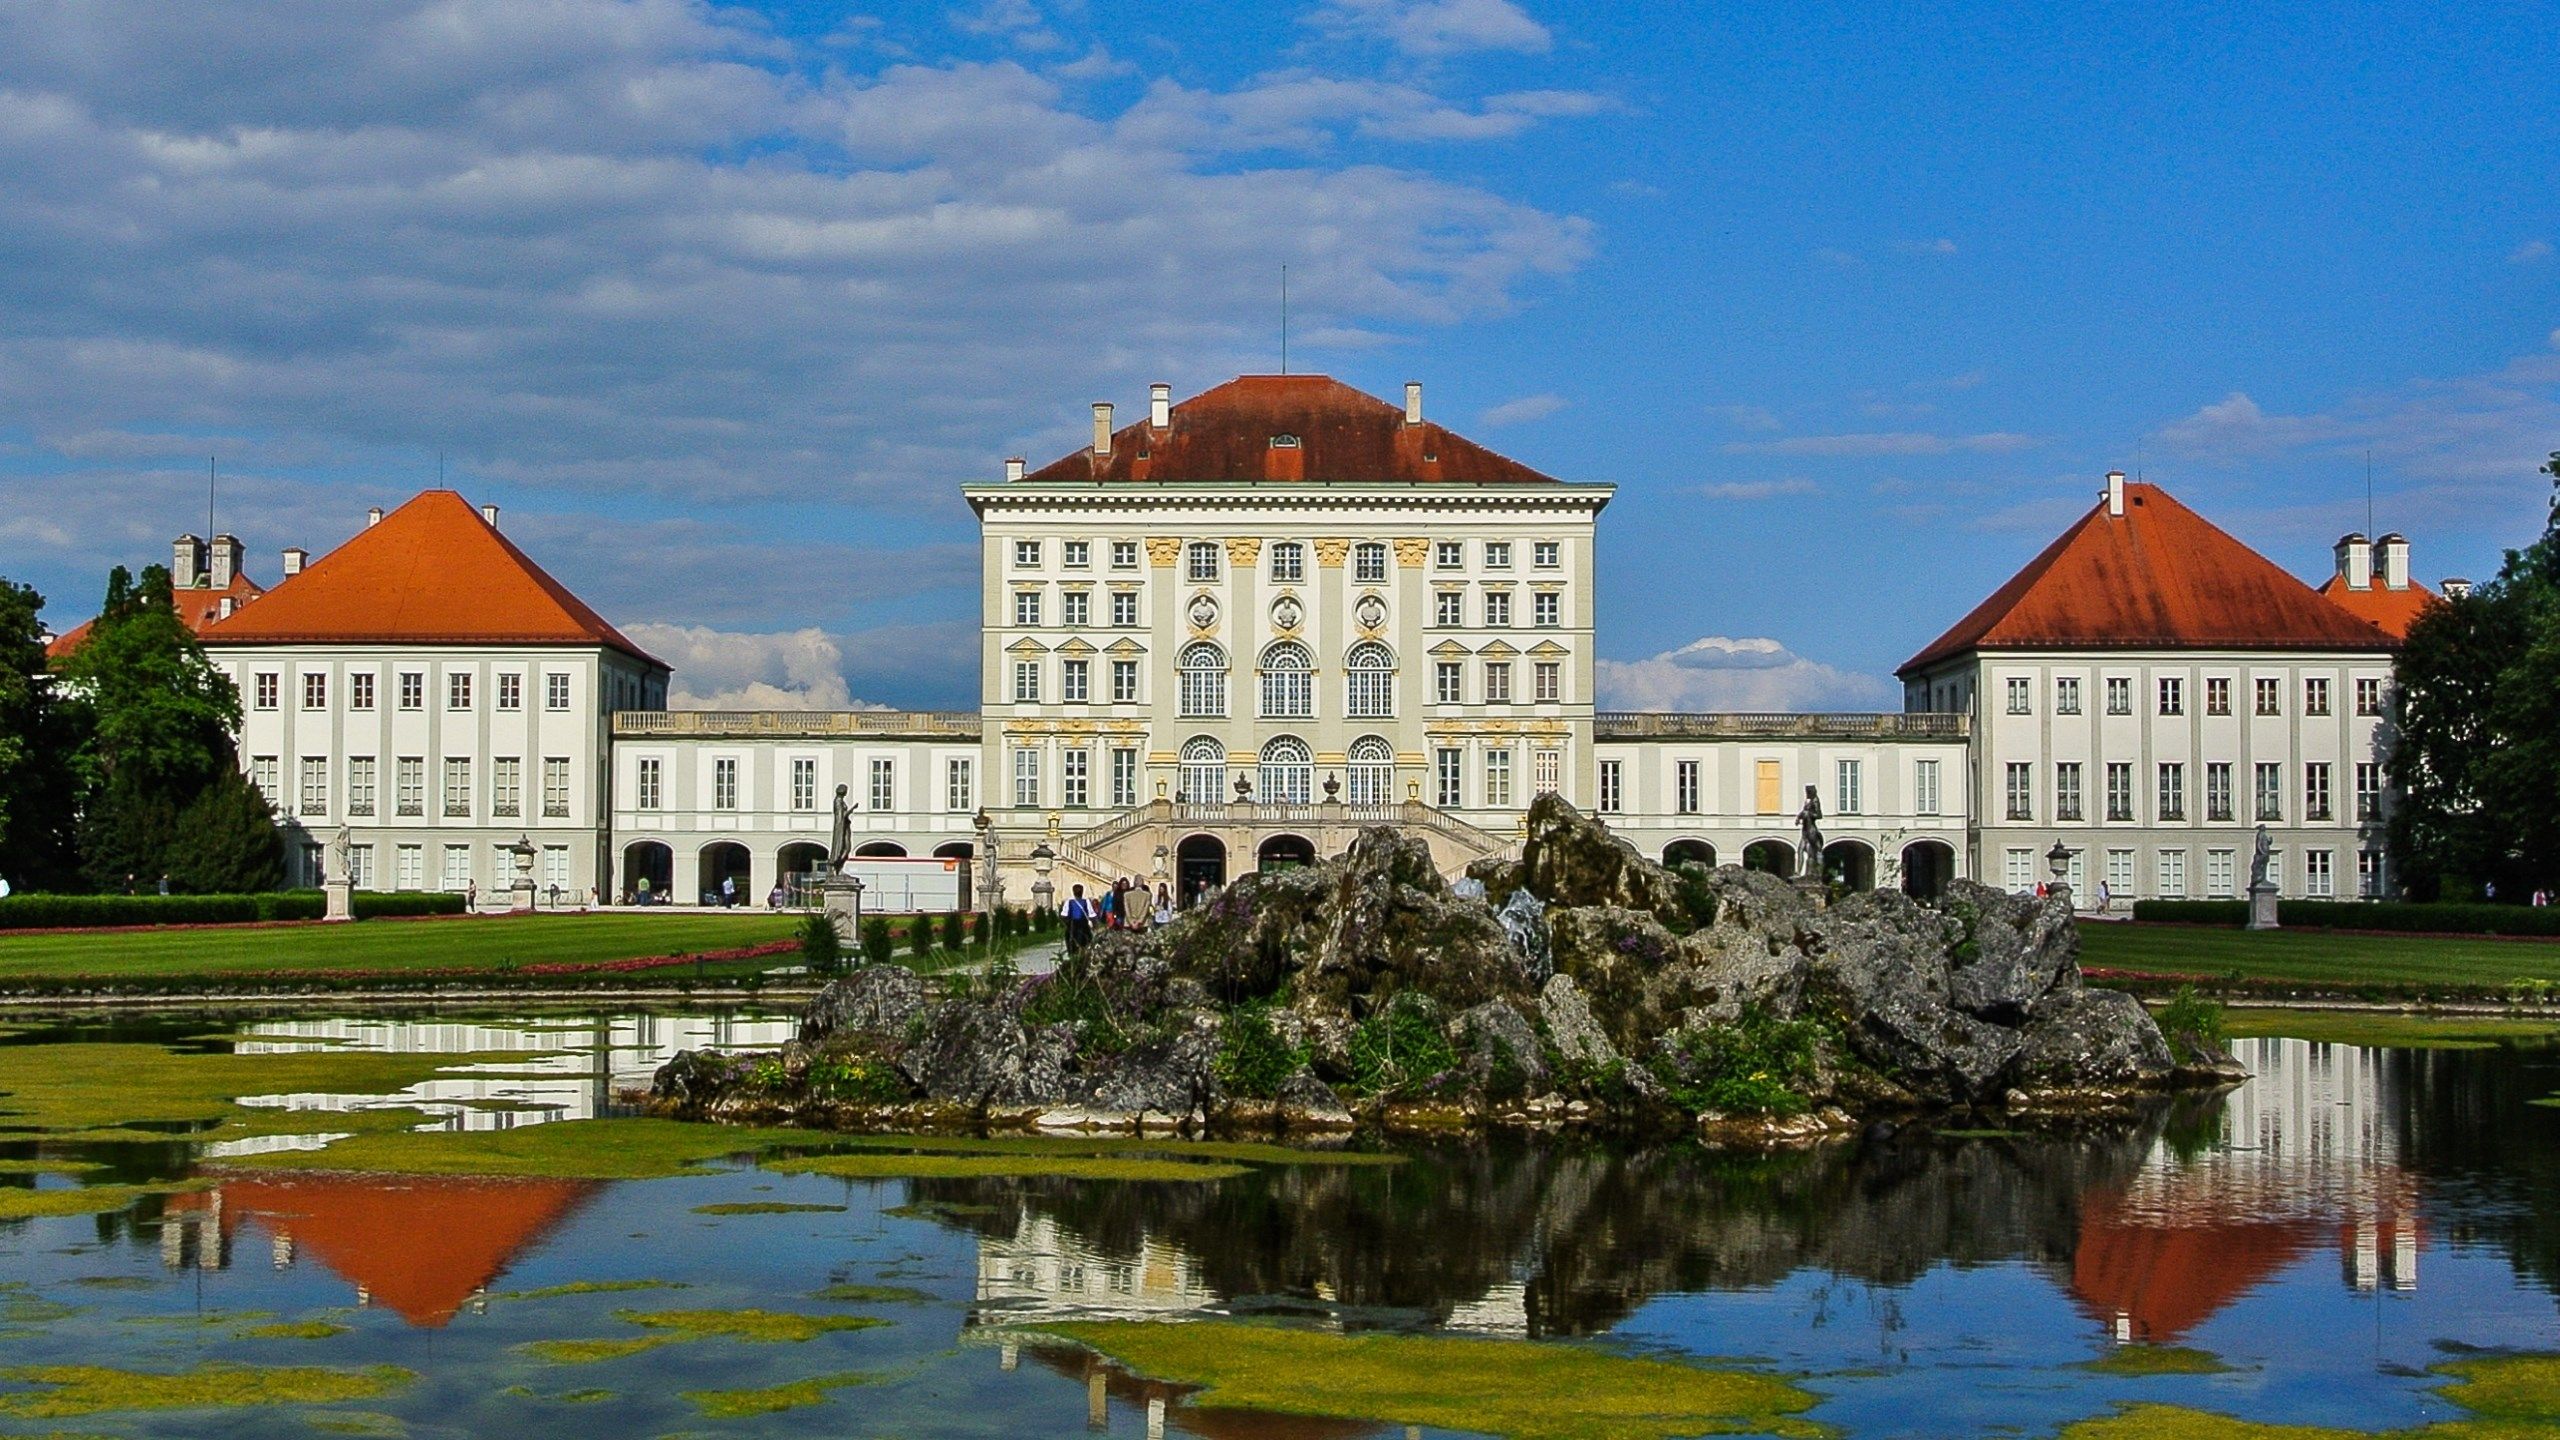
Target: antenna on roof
[(2368, 489), (208, 497), (439, 469), (1284, 319)]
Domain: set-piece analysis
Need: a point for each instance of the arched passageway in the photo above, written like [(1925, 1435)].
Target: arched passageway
[(1689, 852), (797, 868), (1776, 857), (1200, 866), (1285, 852), (724, 861), (1849, 864), (966, 854), (881, 850), (648, 873), (1927, 866)]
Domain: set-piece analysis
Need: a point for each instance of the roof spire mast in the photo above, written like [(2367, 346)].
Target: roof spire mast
[(1284, 318)]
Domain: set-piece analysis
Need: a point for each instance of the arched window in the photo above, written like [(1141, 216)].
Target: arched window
[(1204, 771), (1288, 563), (1288, 681), (1202, 670), (1373, 771), (1201, 558), (1288, 772), (1369, 563), (1369, 682)]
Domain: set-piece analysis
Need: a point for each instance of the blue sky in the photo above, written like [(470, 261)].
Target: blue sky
[(1855, 305)]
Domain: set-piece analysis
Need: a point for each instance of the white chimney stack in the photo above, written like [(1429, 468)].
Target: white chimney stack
[(295, 557), (1101, 429), (186, 561), (226, 608), (1159, 405), (2355, 561), (2394, 554), (373, 517), (1413, 402), (225, 551), (489, 516), (1013, 468), (2115, 492), (2455, 587)]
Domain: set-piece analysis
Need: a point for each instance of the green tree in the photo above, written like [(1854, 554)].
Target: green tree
[(226, 842), (162, 716), (40, 725)]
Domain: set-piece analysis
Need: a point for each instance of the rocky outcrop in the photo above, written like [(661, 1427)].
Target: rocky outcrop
[(1580, 980)]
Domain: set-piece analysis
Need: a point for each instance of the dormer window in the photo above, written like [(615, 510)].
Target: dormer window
[(1284, 442)]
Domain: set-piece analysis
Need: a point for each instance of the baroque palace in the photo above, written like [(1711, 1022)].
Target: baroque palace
[(1232, 633)]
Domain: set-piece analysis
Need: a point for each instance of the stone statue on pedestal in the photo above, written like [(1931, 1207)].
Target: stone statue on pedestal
[(340, 845), (337, 879), (1809, 835), (2262, 886), (2259, 860), (840, 840)]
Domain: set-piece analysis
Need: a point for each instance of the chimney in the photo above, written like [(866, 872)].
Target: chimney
[(1413, 402), (2355, 561), (2393, 551), (489, 516), (373, 517), (295, 557), (1013, 468), (2455, 587), (1159, 405), (225, 563), (227, 603), (1101, 429), (2115, 493), (186, 562)]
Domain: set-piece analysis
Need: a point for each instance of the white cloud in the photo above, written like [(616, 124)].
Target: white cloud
[(1718, 673), (2529, 251), (1756, 489), (1889, 442), (728, 670), (2235, 426), (1837, 258), (2478, 434), (1434, 27), (1522, 410), (1744, 417)]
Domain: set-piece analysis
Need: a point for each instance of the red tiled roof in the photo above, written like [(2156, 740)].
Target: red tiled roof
[(198, 607), (2159, 576), (2392, 611), (2167, 1278), (1225, 433), (430, 573)]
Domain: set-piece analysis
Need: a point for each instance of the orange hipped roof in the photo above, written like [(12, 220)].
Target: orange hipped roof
[(2159, 576), (1225, 434), (2390, 611), (2168, 1278), (432, 572)]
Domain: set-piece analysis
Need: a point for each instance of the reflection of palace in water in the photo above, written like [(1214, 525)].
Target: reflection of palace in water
[(2308, 1158)]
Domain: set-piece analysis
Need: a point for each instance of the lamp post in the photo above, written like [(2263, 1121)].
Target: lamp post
[(2058, 861)]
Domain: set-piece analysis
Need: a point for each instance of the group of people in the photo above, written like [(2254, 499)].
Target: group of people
[(1127, 905)]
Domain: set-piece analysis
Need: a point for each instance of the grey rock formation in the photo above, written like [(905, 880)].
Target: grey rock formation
[(1524, 918), (1499, 1049), (878, 998), (1577, 1037)]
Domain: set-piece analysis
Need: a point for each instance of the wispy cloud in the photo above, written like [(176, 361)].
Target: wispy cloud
[(1718, 673), (1432, 28), (1885, 442), (1756, 489), (2529, 252), (1522, 410), (1743, 417)]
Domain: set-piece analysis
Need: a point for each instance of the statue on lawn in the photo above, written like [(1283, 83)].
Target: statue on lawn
[(840, 844)]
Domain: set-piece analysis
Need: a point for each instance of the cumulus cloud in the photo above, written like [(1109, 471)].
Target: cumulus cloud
[(1884, 442), (1756, 489), (1522, 410), (1434, 27), (729, 670), (1719, 673)]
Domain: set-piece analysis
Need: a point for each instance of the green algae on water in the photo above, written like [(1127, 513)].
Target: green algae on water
[(764, 1326), (2506, 1387), (1523, 1389), (96, 1389), (2510, 1397), (739, 1404), (766, 1207), (872, 1295), (880, 1166), (357, 1422), (294, 1330), (937, 1210), (588, 1352), (560, 1150), (40, 1166), (22, 1204), (588, 1287), (2135, 1361)]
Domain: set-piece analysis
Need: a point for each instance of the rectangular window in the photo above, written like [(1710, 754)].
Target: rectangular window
[(1075, 767), (804, 783), (1075, 609), (457, 867), (2018, 871), (1447, 772), (649, 794), (1497, 554), (1026, 553), (2368, 695), (359, 784), (2173, 696), (2368, 874), (1497, 682), (2021, 791), (1075, 681), (1201, 560), (1026, 682), (1612, 786), (2119, 874), (457, 786), (2319, 879), (360, 866), (1077, 555), (2217, 790), (2270, 696), (2119, 791), (1026, 607), (2066, 790), (506, 786), (1448, 683), (1497, 607), (1497, 779), (1849, 785), (2173, 791), (958, 785), (724, 783), (412, 861), (1548, 770), (413, 690), (2018, 696), (1546, 554), (2066, 695), (1684, 787), (510, 691), (1768, 793), (555, 787), (1449, 555), (1450, 609), (1124, 554), (555, 867), (2221, 880), (2173, 874), (1124, 609), (2119, 695), (409, 780), (2315, 696), (2217, 696), (1124, 778), (1546, 610), (2315, 791), (360, 691), (315, 690), (1924, 787), (315, 785), (2368, 790), (555, 690), (457, 690), (1288, 563), (1124, 681), (884, 785), (2268, 790), (1369, 563), (262, 687)]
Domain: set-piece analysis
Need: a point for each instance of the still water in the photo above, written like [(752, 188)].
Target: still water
[(2328, 1231)]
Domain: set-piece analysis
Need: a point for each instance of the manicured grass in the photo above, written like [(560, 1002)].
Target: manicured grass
[(2385, 1029), (70, 1390), (2326, 959), (390, 948)]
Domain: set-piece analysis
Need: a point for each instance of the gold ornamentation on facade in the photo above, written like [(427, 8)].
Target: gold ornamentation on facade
[(1163, 550), (1330, 553), (1244, 549), (1410, 553)]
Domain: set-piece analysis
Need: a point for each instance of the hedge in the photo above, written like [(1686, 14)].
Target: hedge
[(2363, 915), (73, 912)]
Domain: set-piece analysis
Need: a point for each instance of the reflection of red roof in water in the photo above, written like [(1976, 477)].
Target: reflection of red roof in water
[(417, 1244), (2171, 1278)]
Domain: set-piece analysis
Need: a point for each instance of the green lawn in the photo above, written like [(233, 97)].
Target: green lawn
[(389, 947), (2318, 957)]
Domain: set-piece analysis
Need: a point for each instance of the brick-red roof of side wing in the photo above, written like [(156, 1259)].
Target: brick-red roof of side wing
[(2393, 611), (431, 573), (2158, 577), (198, 607), (1225, 433)]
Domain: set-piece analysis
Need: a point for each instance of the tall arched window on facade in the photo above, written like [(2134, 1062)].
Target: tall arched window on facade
[(1372, 771), (1288, 681), (1288, 772), (1204, 771), (1369, 682), (1202, 669)]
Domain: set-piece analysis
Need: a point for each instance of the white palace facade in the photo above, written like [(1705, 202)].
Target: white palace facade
[(1230, 634)]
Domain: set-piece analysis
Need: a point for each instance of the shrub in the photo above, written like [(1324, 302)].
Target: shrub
[(955, 932), (1400, 1047), (2392, 915), (1758, 1065), (821, 949), (370, 904), (2190, 1014), (920, 936), (1694, 885), (877, 943), (1253, 1061), (66, 912), (857, 1080)]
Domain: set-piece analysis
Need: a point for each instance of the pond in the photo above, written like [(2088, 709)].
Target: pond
[(2307, 1249)]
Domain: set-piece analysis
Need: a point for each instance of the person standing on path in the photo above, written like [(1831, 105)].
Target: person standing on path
[(1079, 913)]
